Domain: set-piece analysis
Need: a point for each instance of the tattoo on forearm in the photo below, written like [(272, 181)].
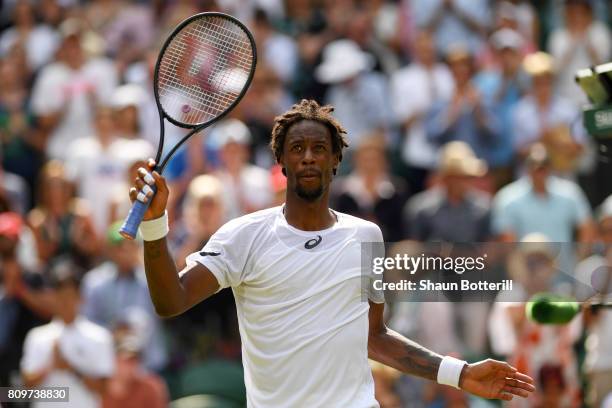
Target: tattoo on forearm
[(420, 361), (395, 350)]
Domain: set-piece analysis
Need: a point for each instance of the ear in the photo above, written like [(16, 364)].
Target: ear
[(284, 171)]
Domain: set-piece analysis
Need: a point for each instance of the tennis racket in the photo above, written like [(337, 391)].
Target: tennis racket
[(203, 70)]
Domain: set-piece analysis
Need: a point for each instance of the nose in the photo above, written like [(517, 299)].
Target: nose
[(308, 157)]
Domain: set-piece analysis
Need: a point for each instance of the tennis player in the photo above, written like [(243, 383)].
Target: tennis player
[(296, 276)]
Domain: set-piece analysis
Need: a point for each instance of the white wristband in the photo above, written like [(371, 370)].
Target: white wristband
[(153, 230), (450, 371)]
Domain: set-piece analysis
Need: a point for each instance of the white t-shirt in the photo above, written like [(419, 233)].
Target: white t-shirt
[(414, 90), (58, 88), (84, 345), (98, 170), (302, 312)]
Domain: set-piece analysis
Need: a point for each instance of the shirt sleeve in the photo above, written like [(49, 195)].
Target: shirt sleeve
[(225, 254), (583, 210), (105, 356), (501, 215), (374, 248), (35, 357)]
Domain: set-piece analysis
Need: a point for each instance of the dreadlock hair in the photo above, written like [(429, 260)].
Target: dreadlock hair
[(308, 109)]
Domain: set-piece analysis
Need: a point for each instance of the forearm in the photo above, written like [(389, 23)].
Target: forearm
[(166, 291), (33, 380), (391, 348)]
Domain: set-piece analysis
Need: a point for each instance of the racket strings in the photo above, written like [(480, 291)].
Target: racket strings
[(204, 69)]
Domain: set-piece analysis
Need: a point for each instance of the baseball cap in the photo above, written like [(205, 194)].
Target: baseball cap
[(10, 225), (231, 130), (507, 38)]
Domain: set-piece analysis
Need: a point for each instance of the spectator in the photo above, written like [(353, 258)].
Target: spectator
[(358, 95), (21, 151), (70, 351), (61, 223), (103, 159), (454, 211), (527, 345), (414, 90), (520, 16), (454, 21), (118, 285), (66, 91), (370, 192), (23, 304), (543, 116), (132, 385), (598, 360), (246, 187), (541, 203), (203, 214), (39, 40), (582, 42), (466, 116), (278, 51), (502, 87)]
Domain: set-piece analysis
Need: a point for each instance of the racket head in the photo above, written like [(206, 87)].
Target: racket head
[(204, 69)]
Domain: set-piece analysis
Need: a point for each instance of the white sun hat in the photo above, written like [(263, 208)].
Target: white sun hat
[(342, 59)]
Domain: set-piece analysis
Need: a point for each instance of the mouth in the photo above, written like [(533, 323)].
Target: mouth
[(309, 175)]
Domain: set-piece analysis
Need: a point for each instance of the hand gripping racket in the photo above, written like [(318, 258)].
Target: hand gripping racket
[(203, 70)]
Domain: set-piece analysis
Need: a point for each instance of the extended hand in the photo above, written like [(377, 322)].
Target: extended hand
[(495, 380)]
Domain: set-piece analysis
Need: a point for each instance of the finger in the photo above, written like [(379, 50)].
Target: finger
[(522, 377), (506, 396), (142, 197), (147, 190), (133, 194), (139, 183), (151, 164), (516, 391), (511, 382), (160, 181), (146, 176)]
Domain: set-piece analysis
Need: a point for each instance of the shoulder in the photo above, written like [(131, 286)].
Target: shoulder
[(43, 333), (565, 188), (426, 200), (365, 231), (511, 192), (250, 222), (94, 331)]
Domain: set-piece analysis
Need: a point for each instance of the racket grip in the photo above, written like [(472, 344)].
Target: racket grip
[(129, 229)]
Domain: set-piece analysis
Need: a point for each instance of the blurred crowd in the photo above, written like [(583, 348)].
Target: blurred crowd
[(464, 123)]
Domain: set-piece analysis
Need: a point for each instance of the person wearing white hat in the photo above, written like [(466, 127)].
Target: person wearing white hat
[(359, 96), (70, 351)]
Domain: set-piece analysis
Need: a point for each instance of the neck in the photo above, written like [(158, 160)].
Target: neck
[(308, 216), (69, 318)]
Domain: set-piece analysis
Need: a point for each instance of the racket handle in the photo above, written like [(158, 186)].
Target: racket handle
[(129, 229)]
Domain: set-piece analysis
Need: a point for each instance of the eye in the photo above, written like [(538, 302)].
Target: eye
[(296, 148), (320, 148)]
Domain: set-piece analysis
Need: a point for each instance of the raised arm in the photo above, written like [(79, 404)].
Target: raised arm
[(172, 293), (487, 379)]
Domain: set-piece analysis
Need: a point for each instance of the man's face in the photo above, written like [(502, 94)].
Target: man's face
[(308, 159)]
